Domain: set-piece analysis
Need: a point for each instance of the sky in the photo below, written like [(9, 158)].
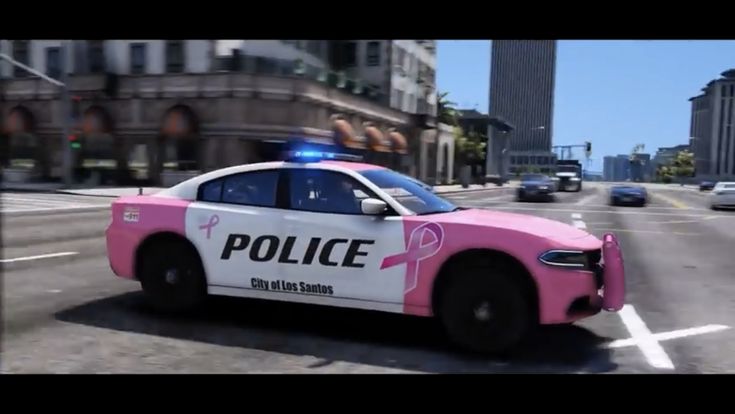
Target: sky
[(615, 94)]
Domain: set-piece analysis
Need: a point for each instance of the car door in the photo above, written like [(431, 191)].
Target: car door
[(236, 228), (338, 250)]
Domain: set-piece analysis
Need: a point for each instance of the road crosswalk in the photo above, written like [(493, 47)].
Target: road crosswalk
[(39, 202)]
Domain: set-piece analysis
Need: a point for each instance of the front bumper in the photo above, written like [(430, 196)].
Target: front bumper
[(628, 200), (569, 185), (567, 295), (528, 193)]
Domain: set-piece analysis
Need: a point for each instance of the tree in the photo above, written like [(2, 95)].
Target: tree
[(446, 113), (635, 162), (665, 173), (469, 149), (683, 165)]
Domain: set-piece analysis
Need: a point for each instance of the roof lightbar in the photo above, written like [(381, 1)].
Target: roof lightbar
[(316, 156)]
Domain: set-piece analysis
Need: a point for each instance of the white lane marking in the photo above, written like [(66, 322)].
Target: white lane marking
[(614, 212), (586, 199), (458, 197), (579, 224), (665, 336), (31, 210), (54, 291), (576, 216), (644, 339), (40, 256)]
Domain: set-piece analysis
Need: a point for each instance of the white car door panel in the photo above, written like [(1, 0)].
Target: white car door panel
[(238, 244), (340, 256)]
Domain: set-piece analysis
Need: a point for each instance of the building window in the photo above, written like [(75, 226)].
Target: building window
[(314, 47), (410, 105), (96, 56), (137, 58), (350, 53), (53, 62), (421, 106), (20, 54), (399, 100), (373, 54), (724, 90), (399, 56), (174, 56)]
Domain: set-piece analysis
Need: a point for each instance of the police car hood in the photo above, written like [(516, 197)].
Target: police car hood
[(531, 225)]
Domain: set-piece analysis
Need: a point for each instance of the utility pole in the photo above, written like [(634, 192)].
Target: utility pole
[(65, 104)]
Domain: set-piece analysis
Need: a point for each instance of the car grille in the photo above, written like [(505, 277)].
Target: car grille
[(593, 259)]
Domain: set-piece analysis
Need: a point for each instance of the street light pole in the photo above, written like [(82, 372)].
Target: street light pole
[(66, 115)]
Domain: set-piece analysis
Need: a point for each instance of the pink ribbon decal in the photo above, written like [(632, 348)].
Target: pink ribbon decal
[(416, 251), (212, 222)]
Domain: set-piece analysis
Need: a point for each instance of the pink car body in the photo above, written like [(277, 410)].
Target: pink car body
[(399, 270)]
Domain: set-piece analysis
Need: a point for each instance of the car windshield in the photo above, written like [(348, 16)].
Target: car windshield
[(533, 177), (567, 168), (409, 193)]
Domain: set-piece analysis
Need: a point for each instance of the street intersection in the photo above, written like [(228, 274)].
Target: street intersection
[(64, 311)]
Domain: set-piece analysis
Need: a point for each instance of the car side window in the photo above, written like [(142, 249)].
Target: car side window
[(256, 188), (324, 191), (211, 191)]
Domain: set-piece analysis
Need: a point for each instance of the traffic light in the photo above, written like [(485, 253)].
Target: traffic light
[(588, 147), (74, 142), (76, 108)]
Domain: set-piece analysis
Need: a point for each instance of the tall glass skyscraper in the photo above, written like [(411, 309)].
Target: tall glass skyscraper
[(522, 92)]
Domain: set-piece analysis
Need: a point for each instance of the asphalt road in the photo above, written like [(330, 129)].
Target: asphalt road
[(69, 314)]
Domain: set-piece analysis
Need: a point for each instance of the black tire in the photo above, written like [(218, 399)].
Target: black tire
[(479, 293), (180, 291)]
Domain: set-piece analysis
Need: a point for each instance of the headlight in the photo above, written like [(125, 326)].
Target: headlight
[(543, 187), (523, 186), (574, 179), (565, 258)]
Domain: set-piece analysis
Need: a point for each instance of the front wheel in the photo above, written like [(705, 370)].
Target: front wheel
[(485, 312), (172, 276)]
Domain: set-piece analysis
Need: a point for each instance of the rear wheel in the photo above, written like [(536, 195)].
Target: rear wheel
[(172, 276), (484, 310)]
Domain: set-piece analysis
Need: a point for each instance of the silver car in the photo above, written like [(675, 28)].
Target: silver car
[(723, 196)]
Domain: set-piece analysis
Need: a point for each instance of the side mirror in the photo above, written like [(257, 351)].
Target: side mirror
[(373, 206)]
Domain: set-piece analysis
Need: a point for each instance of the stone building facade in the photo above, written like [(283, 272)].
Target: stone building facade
[(162, 128)]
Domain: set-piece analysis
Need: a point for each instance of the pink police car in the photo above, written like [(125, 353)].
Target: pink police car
[(318, 229)]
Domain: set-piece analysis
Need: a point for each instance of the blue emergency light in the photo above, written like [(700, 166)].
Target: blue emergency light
[(316, 156)]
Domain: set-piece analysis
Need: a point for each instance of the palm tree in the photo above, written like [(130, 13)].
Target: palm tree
[(446, 112), (635, 162)]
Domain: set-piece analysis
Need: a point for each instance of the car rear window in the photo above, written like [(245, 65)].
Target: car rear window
[(256, 188)]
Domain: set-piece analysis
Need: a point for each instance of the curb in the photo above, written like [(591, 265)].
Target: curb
[(50, 212), (473, 190)]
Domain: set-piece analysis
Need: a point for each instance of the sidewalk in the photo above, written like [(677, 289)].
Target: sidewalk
[(60, 189), (456, 188), (131, 191)]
